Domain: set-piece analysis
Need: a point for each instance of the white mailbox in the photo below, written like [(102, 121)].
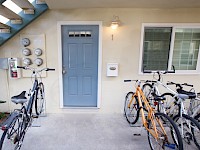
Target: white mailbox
[(112, 69)]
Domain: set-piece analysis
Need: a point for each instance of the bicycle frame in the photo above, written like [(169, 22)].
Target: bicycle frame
[(139, 93), (155, 89), (158, 81), (180, 101), (193, 111), (34, 89), (157, 92), (23, 116), (196, 111), (181, 109), (32, 97), (155, 85)]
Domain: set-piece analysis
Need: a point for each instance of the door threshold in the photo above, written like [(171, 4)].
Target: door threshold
[(80, 109), (65, 107)]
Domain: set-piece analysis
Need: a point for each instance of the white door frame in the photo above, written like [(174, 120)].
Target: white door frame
[(59, 24)]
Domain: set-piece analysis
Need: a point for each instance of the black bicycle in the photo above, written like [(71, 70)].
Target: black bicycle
[(17, 124)]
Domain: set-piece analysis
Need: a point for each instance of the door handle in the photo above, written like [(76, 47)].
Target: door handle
[(64, 70)]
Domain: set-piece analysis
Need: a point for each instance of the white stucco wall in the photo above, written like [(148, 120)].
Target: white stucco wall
[(124, 49)]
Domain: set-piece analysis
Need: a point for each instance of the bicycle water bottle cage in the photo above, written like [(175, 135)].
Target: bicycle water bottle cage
[(19, 99), (190, 94)]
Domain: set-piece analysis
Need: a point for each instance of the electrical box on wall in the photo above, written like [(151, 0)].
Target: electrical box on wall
[(14, 72), (112, 69), (33, 52)]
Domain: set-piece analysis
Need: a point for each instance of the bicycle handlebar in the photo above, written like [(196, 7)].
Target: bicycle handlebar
[(129, 80), (179, 85), (159, 72), (135, 80), (151, 81), (21, 67), (35, 69), (48, 69)]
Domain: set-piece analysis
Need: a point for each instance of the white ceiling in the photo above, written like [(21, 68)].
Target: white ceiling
[(68, 4)]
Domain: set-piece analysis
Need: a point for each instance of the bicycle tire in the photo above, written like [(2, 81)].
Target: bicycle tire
[(39, 102), (168, 103), (13, 136), (132, 113), (191, 131), (148, 90), (128, 96), (171, 140), (197, 117)]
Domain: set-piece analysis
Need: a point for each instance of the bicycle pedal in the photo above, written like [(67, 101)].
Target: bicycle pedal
[(137, 134)]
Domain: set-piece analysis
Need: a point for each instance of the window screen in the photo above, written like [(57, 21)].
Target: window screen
[(156, 48), (186, 49)]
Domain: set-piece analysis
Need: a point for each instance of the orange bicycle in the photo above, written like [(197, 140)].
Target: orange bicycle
[(162, 132)]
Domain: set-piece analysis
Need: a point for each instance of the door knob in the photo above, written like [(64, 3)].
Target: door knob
[(64, 70)]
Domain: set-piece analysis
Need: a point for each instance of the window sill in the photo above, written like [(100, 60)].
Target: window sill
[(177, 73)]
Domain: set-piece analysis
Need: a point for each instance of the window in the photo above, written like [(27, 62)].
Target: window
[(163, 47), (186, 49), (156, 48), (80, 33)]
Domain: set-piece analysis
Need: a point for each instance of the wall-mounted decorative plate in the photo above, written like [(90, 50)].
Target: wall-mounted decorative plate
[(26, 52)]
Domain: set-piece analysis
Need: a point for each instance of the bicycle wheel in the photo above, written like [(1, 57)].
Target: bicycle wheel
[(148, 90), (39, 102), (168, 134), (132, 112), (197, 117), (12, 137), (170, 105), (190, 131)]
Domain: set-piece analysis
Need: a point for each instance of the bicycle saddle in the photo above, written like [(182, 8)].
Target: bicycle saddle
[(158, 98), (190, 94), (19, 99)]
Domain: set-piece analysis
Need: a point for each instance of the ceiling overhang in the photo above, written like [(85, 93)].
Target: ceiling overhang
[(163, 4)]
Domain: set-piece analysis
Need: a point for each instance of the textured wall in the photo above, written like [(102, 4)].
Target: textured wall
[(124, 49)]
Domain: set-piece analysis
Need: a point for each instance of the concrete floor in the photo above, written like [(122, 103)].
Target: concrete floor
[(84, 131)]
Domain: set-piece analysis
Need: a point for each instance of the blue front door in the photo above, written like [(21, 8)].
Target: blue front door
[(80, 65)]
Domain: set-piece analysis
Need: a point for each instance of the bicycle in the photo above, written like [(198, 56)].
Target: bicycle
[(150, 88), (189, 125), (17, 124), (161, 130), (174, 107), (194, 106)]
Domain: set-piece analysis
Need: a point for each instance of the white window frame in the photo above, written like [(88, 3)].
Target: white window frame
[(173, 26)]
